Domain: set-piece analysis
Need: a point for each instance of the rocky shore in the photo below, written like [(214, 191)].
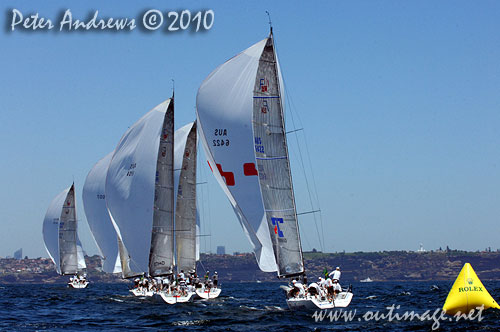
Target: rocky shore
[(378, 266)]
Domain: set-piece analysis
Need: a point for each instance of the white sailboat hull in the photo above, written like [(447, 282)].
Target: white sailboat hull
[(78, 284), (142, 292), (208, 294), (342, 300), (174, 298)]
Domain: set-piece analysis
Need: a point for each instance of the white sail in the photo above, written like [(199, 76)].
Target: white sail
[(80, 254), (161, 257), (130, 188), (100, 224), (60, 234), (273, 165), (181, 136), (50, 228), (225, 114), (68, 252), (185, 212)]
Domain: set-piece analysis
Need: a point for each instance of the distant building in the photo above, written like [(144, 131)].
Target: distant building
[(18, 254), (421, 249), (221, 250)]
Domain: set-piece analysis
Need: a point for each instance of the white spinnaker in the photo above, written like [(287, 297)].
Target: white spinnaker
[(185, 211), (100, 224), (68, 252), (225, 113), (50, 228), (130, 185)]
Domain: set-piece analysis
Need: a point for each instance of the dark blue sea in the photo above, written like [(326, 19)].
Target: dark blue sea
[(241, 307)]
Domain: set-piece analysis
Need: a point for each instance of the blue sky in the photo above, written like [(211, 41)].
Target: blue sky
[(399, 101)]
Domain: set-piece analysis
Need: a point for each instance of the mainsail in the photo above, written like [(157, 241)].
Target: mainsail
[(224, 107), (161, 259), (185, 212), (139, 193), (67, 235), (98, 218), (273, 165), (241, 122), (60, 234)]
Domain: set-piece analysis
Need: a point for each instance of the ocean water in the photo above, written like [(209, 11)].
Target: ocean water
[(241, 307)]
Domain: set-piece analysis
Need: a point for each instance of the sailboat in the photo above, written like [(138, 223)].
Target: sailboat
[(98, 218), (139, 195), (240, 115), (186, 212), (61, 238), (186, 217)]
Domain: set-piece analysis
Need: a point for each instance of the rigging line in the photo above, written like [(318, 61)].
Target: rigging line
[(293, 131), (203, 267), (312, 173), (288, 99), (308, 212), (320, 234), (270, 23)]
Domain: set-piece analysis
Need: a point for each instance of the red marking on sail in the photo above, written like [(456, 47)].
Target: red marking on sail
[(228, 176), (210, 166), (275, 229), (249, 169)]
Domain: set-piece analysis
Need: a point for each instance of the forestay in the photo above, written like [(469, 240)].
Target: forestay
[(225, 113), (131, 190), (98, 218)]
